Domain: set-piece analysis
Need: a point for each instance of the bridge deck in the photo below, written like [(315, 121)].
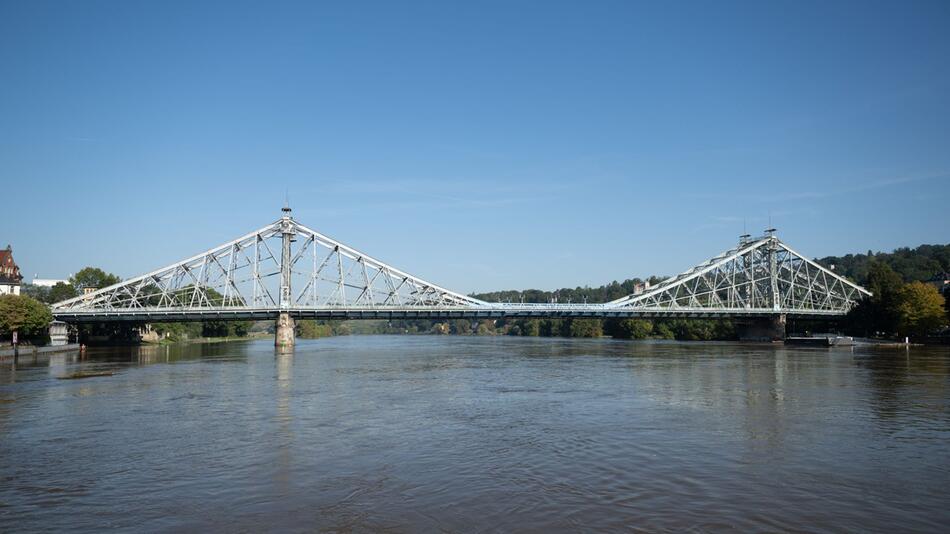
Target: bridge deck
[(501, 311)]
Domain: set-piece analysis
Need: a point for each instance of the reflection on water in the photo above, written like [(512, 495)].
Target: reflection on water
[(463, 433)]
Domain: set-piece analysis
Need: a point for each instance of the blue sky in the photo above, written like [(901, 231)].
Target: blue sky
[(482, 145)]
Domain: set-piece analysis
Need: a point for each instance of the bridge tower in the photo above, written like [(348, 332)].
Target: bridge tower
[(284, 332), (772, 327)]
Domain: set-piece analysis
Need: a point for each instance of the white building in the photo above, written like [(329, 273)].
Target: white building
[(47, 282)]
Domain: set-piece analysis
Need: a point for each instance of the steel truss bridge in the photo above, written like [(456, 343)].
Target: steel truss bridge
[(287, 269)]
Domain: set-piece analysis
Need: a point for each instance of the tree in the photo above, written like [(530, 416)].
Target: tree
[(554, 328), (24, 315), (633, 329), (885, 284), (61, 291), (39, 293), (310, 329), (486, 327), (531, 327), (239, 328), (214, 329), (178, 331), (586, 328), (92, 277), (460, 327), (920, 310), (663, 331)]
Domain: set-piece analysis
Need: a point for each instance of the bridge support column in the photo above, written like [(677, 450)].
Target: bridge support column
[(770, 328), (284, 335)]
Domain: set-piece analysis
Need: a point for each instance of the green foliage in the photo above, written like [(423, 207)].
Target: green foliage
[(239, 328), (921, 310), (25, 315), (460, 327), (310, 329), (663, 331), (224, 328), (914, 308), (586, 328), (486, 327), (554, 328), (178, 331), (49, 295), (632, 329), (918, 264), (93, 277), (531, 327), (61, 291), (878, 314), (577, 295), (39, 293)]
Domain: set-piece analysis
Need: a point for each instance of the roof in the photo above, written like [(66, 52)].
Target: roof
[(9, 272)]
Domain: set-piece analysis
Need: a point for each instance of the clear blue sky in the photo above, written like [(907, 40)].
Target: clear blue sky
[(480, 145)]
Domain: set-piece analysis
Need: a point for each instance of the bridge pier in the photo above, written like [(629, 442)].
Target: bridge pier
[(284, 334), (770, 328)]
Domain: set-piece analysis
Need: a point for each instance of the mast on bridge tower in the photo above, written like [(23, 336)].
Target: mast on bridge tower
[(287, 234), (776, 323), (773, 269)]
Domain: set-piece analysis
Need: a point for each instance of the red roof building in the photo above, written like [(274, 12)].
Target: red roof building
[(10, 276)]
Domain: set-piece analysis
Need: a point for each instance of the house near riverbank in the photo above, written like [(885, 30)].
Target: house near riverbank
[(941, 281), (10, 277)]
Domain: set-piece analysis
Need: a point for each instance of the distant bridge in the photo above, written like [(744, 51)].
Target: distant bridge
[(286, 270)]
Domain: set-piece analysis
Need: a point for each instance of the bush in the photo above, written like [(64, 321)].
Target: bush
[(921, 309), (633, 329), (28, 317), (586, 328)]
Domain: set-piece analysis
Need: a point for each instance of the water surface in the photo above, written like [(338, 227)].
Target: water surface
[(472, 434)]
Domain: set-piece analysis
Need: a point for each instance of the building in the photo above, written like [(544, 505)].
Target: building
[(641, 287), (10, 276), (941, 281), (58, 333), (47, 282)]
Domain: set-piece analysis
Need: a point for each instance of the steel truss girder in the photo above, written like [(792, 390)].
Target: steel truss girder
[(764, 273), (242, 279), (244, 273)]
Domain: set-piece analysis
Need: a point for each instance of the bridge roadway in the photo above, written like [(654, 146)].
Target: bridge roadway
[(493, 311)]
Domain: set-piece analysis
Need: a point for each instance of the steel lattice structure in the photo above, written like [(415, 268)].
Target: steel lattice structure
[(287, 267), (763, 275)]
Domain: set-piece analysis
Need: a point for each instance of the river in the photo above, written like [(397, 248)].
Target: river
[(466, 434)]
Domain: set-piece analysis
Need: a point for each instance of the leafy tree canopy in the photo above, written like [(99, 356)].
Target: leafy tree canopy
[(917, 264), (920, 309), (61, 291), (92, 277), (23, 314)]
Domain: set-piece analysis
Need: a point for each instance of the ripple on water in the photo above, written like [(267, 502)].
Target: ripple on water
[(462, 434)]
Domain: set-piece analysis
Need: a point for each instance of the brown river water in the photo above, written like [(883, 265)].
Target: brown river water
[(478, 434)]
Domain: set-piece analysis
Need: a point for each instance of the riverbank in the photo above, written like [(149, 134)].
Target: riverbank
[(206, 340)]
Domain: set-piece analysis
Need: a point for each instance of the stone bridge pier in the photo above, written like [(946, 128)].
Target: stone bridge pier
[(771, 328), (284, 333)]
